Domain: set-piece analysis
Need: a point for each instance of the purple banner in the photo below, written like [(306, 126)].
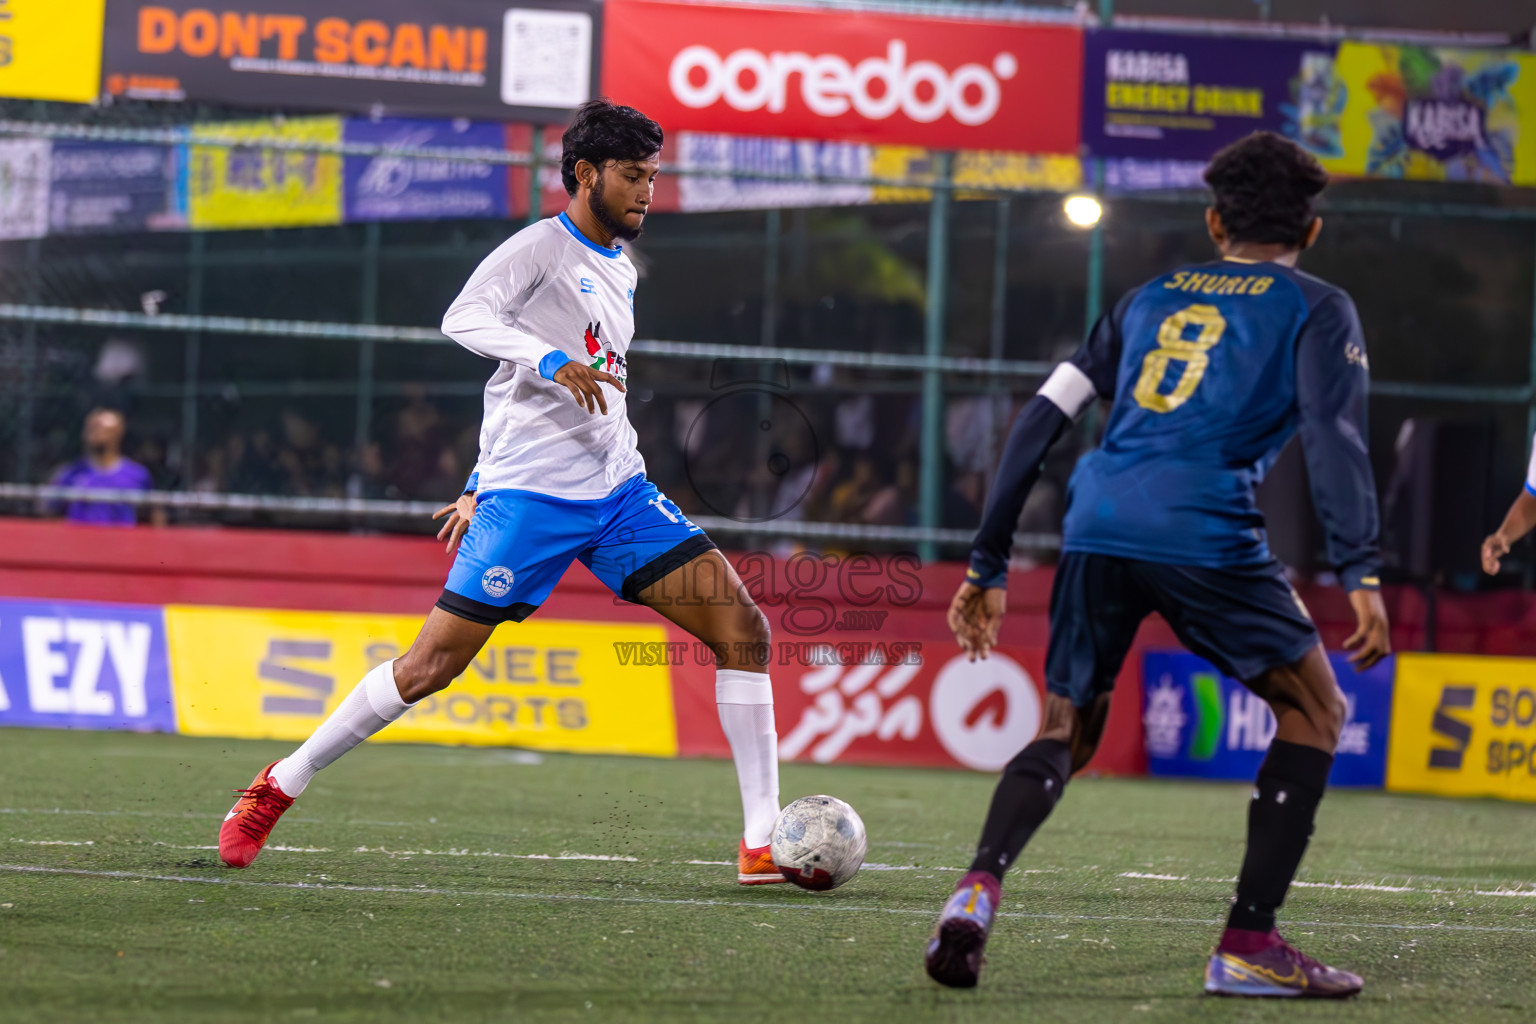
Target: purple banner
[(401, 188), (109, 186), (1161, 96), (70, 665)]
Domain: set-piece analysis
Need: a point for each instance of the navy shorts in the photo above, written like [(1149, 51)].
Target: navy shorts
[(520, 543), (1244, 620)]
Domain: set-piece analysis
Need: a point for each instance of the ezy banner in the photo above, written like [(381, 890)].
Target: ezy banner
[(1163, 96), (72, 665), (1199, 723), (523, 59), (850, 76)]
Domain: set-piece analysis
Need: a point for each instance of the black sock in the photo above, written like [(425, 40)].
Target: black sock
[(1029, 788), (1285, 799)]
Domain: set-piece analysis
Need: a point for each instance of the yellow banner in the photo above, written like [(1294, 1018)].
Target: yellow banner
[(249, 187), (260, 674), (1463, 726), (971, 167), (1436, 114), (51, 49)]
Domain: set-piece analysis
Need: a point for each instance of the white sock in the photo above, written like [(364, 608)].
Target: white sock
[(745, 701), (372, 704)]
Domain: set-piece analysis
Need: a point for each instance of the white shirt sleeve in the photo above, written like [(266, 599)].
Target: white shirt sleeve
[(476, 318), (1530, 474)]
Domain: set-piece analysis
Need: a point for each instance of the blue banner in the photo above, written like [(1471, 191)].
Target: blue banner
[(110, 186), (401, 188), (70, 665), (1165, 96), (1200, 723)]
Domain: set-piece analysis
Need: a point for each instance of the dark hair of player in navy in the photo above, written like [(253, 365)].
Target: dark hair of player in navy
[(602, 132), (1265, 189)]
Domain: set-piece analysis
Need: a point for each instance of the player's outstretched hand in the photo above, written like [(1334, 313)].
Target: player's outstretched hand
[(975, 616), (585, 384), (1494, 550), (459, 514), (1372, 640)]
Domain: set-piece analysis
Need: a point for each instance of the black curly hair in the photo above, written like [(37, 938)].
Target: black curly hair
[(602, 131), (1265, 188)]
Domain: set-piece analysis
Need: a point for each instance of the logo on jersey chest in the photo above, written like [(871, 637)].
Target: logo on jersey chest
[(600, 354)]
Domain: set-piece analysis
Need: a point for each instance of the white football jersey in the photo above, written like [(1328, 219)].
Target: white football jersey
[(549, 289)]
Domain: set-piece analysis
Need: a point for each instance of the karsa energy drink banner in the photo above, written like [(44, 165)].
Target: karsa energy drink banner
[(530, 60), (1163, 96)]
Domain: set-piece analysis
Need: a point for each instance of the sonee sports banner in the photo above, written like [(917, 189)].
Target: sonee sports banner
[(526, 60)]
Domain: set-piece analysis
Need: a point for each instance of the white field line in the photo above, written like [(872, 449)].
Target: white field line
[(810, 905), (1503, 888), (1500, 888)]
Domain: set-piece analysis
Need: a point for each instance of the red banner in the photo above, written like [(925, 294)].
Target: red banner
[(864, 77)]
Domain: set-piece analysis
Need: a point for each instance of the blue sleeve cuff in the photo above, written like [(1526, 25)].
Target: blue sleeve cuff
[(552, 363), (1360, 577), (1529, 489), (986, 576), (473, 483)]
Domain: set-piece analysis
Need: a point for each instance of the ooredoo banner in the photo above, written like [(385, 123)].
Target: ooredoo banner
[(805, 73), (527, 59)]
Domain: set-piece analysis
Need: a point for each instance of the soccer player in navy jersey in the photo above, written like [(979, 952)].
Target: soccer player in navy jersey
[(1212, 369)]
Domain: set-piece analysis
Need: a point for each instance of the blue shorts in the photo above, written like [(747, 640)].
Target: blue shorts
[(520, 543), (1244, 620)]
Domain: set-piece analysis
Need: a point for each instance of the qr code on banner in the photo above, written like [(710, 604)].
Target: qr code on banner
[(546, 58)]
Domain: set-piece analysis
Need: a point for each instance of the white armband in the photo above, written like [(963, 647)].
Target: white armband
[(1069, 389)]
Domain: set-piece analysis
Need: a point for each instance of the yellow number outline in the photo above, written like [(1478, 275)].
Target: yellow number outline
[(1172, 346)]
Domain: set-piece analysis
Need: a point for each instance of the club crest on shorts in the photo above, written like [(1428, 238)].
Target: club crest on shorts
[(497, 581)]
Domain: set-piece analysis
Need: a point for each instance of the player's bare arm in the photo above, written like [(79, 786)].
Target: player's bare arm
[(975, 616), (1518, 521), (1372, 639)]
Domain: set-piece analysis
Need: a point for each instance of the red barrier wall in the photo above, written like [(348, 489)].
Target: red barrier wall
[(940, 712)]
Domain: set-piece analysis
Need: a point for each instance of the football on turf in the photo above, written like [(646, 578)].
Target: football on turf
[(818, 842)]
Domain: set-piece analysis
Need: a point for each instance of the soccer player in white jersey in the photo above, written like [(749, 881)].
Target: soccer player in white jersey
[(1518, 521), (559, 479)]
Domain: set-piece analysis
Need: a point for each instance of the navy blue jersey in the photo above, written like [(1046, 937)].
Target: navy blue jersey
[(1213, 369)]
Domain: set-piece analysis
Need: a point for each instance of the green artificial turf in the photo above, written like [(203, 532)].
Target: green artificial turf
[(446, 884)]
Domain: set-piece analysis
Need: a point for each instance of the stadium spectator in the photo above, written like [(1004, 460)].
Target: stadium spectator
[(104, 467)]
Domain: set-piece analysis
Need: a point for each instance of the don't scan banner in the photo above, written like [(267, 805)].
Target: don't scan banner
[(524, 60), (1199, 723)]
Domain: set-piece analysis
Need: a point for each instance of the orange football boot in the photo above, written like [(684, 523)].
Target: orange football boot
[(756, 867), (249, 823)]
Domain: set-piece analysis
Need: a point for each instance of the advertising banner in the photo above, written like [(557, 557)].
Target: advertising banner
[(1199, 723), (51, 49), (110, 186), (918, 709), (526, 59), (807, 73), (261, 187), (548, 685), (1163, 96), (72, 665), (741, 154), (1437, 114), (1464, 726), (985, 168), (24, 182), (401, 188)]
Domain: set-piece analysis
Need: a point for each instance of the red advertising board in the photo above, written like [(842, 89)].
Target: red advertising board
[(865, 77)]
